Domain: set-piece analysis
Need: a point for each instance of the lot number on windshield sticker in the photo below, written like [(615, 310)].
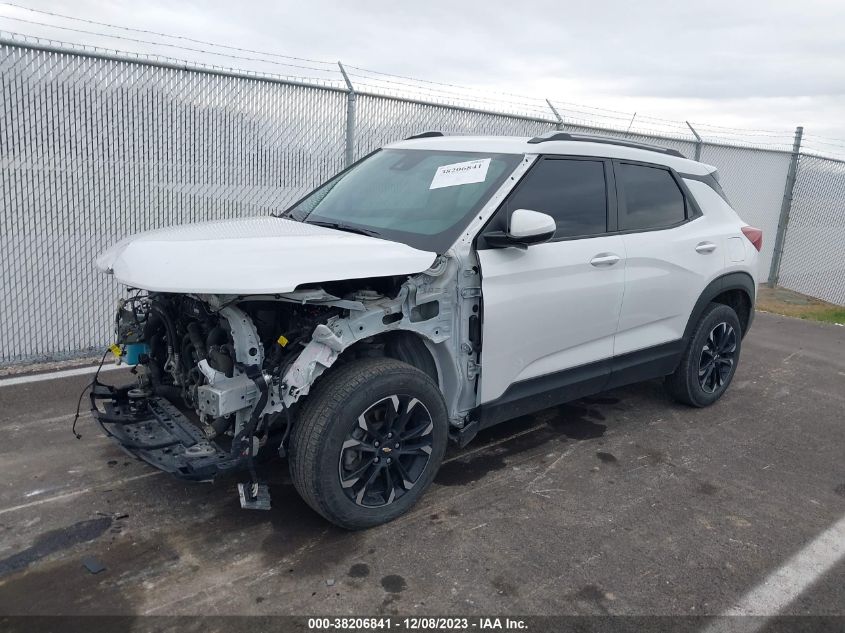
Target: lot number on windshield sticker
[(460, 174)]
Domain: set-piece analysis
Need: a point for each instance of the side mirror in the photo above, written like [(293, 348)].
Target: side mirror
[(526, 227)]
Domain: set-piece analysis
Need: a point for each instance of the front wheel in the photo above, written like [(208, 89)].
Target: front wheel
[(368, 442), (710, 359)]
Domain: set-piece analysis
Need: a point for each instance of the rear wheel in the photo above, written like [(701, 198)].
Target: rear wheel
[(368, 442), (710, 360)]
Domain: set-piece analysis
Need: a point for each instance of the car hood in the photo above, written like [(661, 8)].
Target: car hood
[(258, 255)]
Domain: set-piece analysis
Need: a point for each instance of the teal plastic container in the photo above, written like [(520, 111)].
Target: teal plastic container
[(134, 351)]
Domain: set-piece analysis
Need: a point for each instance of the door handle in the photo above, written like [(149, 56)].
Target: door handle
[(604, 259), (705, 247)]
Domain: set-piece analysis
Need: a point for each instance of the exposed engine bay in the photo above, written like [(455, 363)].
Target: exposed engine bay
[(218, 378)]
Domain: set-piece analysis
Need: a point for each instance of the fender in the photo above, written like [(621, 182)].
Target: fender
[(732, 281), (428, 305)]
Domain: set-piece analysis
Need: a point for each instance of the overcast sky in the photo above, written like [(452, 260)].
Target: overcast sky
[(761, 65)]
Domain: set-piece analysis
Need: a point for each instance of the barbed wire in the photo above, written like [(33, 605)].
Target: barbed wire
[(142, 57), (815, 152), (816, 139), (159, 34), (177, 46), (673, 122), (739, 129), (381, 83), (418, 81), (456, 95)]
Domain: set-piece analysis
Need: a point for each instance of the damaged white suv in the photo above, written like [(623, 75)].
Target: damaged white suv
[(438, 286)]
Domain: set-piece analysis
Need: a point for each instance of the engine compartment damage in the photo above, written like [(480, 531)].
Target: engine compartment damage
[(219, 378)]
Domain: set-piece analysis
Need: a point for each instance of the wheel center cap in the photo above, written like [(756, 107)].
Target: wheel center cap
[(386, 450)]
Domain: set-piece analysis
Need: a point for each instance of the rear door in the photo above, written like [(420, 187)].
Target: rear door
[(554, 306), (672, 250)]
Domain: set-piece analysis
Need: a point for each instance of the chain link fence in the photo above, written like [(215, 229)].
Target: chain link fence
[(384, 120), (93, 148), (812, 255), (753, 181)]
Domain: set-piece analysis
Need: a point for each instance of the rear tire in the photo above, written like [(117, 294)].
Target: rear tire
[(710, 359), (368, 442)]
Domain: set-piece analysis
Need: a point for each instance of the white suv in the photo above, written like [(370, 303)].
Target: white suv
[(436, 287)]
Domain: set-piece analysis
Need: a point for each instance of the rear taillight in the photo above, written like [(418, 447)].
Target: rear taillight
[(755, 236)]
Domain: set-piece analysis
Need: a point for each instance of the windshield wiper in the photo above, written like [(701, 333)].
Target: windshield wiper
[(344, 227)]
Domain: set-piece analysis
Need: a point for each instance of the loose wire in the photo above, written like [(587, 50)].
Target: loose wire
[(84, 389)]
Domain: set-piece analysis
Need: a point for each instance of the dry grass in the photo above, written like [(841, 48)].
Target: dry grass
[(793, 304)]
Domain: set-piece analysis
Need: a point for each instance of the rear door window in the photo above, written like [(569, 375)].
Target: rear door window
[(652, 198)]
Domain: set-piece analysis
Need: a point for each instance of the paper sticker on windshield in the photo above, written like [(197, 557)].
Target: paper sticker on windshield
[(460, 173)]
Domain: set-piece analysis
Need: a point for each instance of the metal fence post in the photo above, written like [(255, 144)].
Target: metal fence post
[(785, 208), (630, 124), (698, 141), (559, 125), (351, 99)]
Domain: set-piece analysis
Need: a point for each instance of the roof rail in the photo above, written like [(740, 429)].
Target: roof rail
[(609, 140), (424, 135)]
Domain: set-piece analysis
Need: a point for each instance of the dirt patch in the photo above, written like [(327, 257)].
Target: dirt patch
[(793, 304)]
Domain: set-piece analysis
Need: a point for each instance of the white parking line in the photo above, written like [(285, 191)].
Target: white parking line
[(65, 373), (785, 584)]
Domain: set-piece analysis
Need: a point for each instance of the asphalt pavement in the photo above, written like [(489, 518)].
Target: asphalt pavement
[(624, 503)]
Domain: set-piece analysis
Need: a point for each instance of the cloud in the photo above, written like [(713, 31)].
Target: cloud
[(679, 59)]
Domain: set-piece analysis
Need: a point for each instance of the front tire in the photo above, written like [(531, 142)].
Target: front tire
[(710, 359), (368, 442)]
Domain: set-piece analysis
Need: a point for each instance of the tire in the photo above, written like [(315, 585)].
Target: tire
[(341, 461), (710, 360)]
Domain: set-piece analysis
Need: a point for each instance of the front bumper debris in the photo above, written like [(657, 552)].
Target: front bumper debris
[(155, 431)]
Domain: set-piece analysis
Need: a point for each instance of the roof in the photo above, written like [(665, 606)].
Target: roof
[(601, 148)]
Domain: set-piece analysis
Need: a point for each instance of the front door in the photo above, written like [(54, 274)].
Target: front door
[(554, 306)]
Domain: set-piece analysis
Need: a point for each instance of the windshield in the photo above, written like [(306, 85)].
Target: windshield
[(423, 198)]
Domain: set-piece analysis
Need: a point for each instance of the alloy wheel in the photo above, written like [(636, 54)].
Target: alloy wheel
[(387, 451), (717, 358)]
